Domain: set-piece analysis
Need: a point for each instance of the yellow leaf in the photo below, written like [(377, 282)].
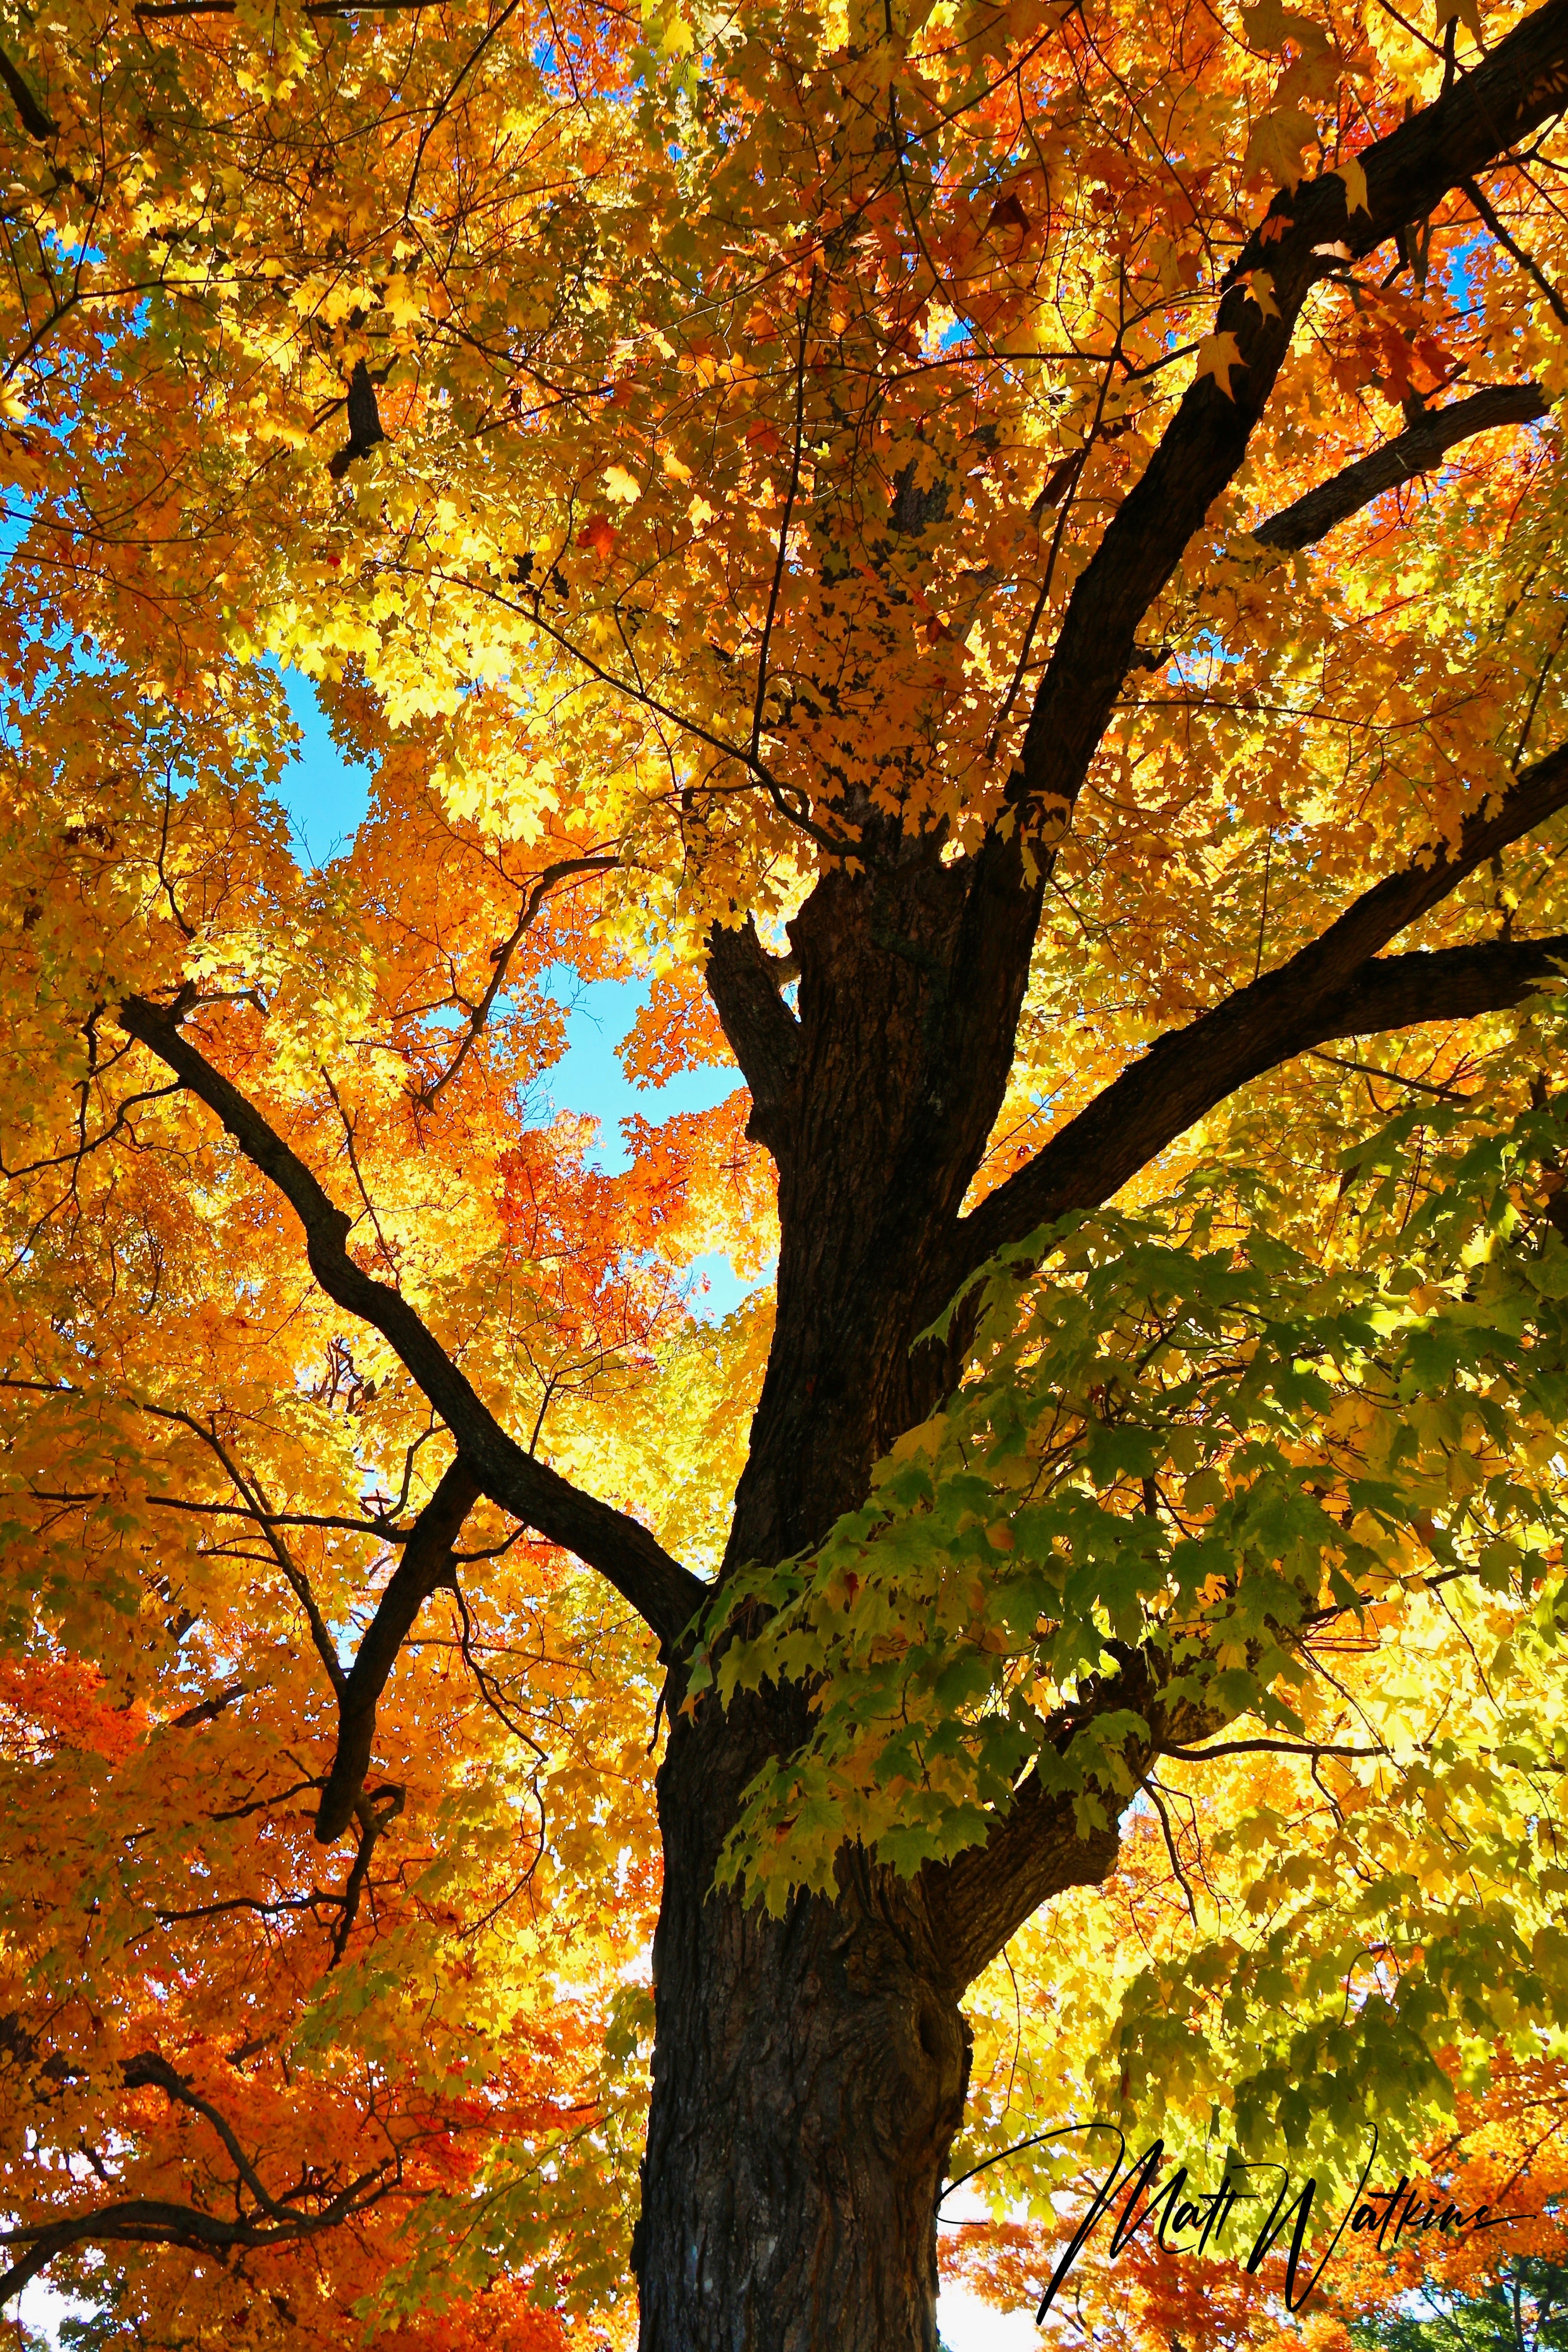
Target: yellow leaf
[(1276, 145), (402, 300), (1269, 25), (1218, 355), (1260, 287), (1354, 177), (623, 485), (924, 1439)]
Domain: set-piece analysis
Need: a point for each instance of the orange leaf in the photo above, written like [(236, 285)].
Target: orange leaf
[(599, 534)]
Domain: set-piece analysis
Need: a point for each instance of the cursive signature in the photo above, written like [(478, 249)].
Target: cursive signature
[(1179, 2212)]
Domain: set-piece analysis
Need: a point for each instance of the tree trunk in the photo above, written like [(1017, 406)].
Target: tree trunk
[(809, 2072), (809, 2075)]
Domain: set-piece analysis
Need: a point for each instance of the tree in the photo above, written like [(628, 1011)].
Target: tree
[(1521, 2311), (870, 515)]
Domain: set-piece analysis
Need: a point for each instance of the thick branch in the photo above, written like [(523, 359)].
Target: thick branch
[(1415, 451), (662, 1592), (1437, 984), (148, 2071), (1518, 86), (152, 2222), (1333, 988), (365, 427), (37, 121), (980, 1898), (984, 1895), (744, 982), (426, 1563)]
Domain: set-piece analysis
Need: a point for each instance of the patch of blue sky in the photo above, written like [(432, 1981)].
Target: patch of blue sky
[(591, 1077), (16, 514), (325, 795), (1457, 271)]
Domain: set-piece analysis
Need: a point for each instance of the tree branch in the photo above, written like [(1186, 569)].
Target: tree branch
[(148, 2071), (984, 1895), (980, 1898), (365, 427), (37, 121), (1438, 985), (502, 960), (1517, 87), (1531, 267), (152, 2222), (144, 2220), (744, 982), (1414, 451), (665, 1595), (1335, 987), (426, 1563)]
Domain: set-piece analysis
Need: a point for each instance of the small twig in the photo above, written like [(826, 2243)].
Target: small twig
[(1395, 1077), (1531, 267), (501, 958), (1152, 1790), (387, 1258), (783, 527)]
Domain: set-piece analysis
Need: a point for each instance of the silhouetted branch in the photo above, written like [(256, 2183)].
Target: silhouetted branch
[(1416, 450), (665, 1595)]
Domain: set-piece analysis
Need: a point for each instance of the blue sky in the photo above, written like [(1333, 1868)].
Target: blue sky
[(326, 797)]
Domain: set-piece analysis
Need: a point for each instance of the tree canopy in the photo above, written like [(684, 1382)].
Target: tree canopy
[(1005, 559)]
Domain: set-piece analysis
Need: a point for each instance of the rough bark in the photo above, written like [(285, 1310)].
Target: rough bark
[(809, 2075), (877, 1104)]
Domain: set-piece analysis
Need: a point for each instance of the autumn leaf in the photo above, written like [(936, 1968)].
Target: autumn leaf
[(1276, 144), (1217, 356), (1354, 177)]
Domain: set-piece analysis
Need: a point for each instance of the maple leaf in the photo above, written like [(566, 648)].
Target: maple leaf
[(1217, 356), (1007, 212), (1260, 287), (1352, 173), (600, 535), (1276, 144)]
